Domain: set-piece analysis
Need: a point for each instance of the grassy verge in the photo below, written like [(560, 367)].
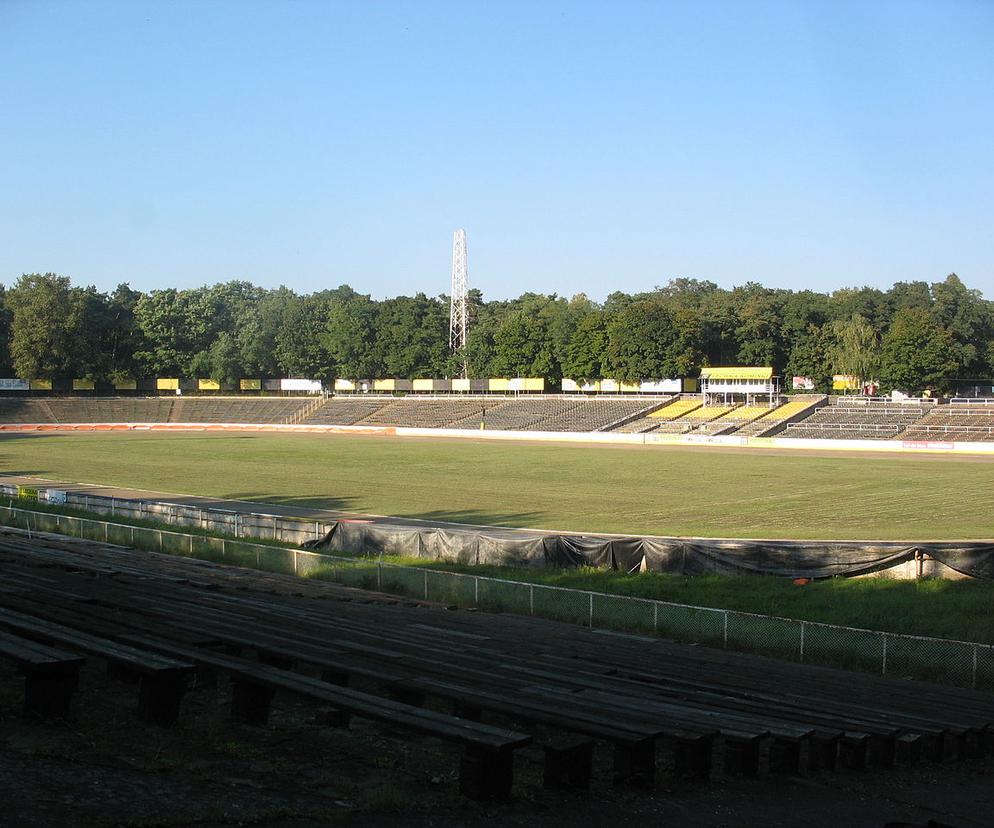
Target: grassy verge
[(928, 607)]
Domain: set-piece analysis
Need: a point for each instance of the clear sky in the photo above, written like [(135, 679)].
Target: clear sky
[(585, 147)]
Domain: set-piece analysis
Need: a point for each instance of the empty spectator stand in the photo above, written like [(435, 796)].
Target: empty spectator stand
[(86, 410), (963, 420), (796, 408), (668, 419), (344, 410), (530, 414), (654, 703), (427, 412), (737, 418), (25, 410), (599, 415), (860, 418), (252, 410)]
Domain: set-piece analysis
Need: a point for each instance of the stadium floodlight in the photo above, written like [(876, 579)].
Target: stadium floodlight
[(458, 319)]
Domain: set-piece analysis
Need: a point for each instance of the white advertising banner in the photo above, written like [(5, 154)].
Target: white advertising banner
[(311, 386), (666, 386), (13, 384), (56, 496)]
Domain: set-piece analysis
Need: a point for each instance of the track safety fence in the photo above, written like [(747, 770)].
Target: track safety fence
[(961, 663)]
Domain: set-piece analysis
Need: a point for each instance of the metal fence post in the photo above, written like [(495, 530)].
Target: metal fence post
[(106, 532), (803, 625), (725, 630), (294, 561), (379, 576), (426, 584), (160, 540), (655, 616), (531, 599), (883, 660), (222, 548), (973, 680), (591, 610), (476, 590)]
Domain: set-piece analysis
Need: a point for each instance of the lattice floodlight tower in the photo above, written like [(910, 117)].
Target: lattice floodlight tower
[(458, 320)]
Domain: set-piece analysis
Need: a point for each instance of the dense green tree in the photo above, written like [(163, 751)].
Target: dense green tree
[(350, 336), (917, 353), (968, 319), (47, 337), (853, 350), (585, 353), (52, 329), (641, 342), (6, 318)]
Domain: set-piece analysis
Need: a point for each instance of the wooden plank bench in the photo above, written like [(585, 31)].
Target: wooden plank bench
[(397, 672), (50, 675), (162, 681), (486, 769)]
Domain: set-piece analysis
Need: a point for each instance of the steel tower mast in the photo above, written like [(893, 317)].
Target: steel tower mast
[(458, 319)]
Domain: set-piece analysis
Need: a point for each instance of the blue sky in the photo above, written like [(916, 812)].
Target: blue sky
[(585, 147)]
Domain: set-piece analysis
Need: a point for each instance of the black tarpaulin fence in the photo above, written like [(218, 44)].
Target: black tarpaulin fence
[(679, 556)]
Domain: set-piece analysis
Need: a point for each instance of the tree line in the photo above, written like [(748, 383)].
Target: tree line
[(911, 337)]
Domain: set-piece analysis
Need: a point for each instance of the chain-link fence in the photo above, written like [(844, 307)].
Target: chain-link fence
[(962, 663)]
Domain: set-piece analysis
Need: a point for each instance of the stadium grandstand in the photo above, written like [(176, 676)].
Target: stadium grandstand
[(775, 420), (741, 402), (860, 418), (965, 420)]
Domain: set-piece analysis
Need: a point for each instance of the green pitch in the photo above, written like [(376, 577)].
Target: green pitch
[(653, 490)]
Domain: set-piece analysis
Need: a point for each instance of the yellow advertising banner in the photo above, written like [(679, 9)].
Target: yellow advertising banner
[(497, 384), (423, 385), (208, 385), (385, 385), (533, 384), (737, 372), (167, 383), (83, 385), (845, 382), (250, 384), (40, 385), (344, 385)]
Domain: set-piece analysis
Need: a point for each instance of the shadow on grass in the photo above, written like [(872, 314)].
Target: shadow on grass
[(476, 517), (296, 502)]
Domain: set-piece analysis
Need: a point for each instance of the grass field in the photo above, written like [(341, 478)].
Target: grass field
[(664, 491)]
